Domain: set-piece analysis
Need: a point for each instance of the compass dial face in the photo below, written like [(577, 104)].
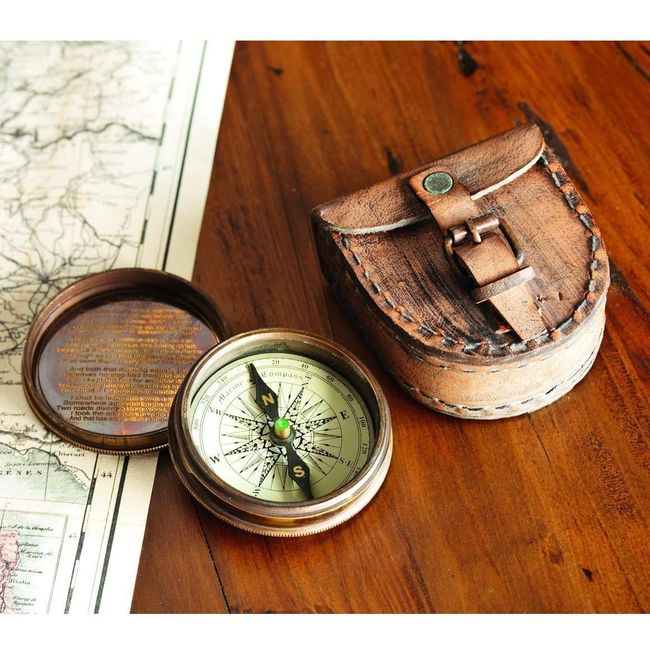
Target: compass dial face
[(326, 422)]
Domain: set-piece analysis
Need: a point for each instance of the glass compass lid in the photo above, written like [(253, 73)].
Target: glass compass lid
[(105, 358)]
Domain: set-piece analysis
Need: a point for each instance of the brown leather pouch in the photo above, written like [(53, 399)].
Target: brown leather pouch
[(480, 279)]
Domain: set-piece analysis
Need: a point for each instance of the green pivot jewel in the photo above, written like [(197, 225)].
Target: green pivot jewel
[(282, 428)]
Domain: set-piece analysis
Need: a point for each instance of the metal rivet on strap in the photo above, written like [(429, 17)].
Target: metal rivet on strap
[(438, 183)]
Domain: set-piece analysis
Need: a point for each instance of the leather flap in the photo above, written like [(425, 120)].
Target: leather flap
[(481, 168)]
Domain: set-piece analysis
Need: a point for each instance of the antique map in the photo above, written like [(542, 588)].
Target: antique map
[(105, 155)]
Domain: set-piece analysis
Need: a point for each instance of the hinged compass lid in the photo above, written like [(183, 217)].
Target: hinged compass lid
[(104, 359)]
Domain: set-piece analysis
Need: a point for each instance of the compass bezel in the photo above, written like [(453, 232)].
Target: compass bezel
[(261, 515)]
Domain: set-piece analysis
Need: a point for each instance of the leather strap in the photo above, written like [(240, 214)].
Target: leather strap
[(481, 169), (490, 261), (481, 294)]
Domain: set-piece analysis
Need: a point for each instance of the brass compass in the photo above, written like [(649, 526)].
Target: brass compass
[(280, 432)]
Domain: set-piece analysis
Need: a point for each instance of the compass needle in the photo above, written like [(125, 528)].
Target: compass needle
[(265, 398)]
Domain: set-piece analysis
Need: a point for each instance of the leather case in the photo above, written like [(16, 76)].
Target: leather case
[(480, 279)]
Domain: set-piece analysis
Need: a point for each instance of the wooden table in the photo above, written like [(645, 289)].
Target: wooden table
[(547, 512)]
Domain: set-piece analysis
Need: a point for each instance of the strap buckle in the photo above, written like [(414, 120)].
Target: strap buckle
[(476, 228)]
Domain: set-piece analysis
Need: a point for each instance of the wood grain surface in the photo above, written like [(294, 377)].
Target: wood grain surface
[(547, 512)]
